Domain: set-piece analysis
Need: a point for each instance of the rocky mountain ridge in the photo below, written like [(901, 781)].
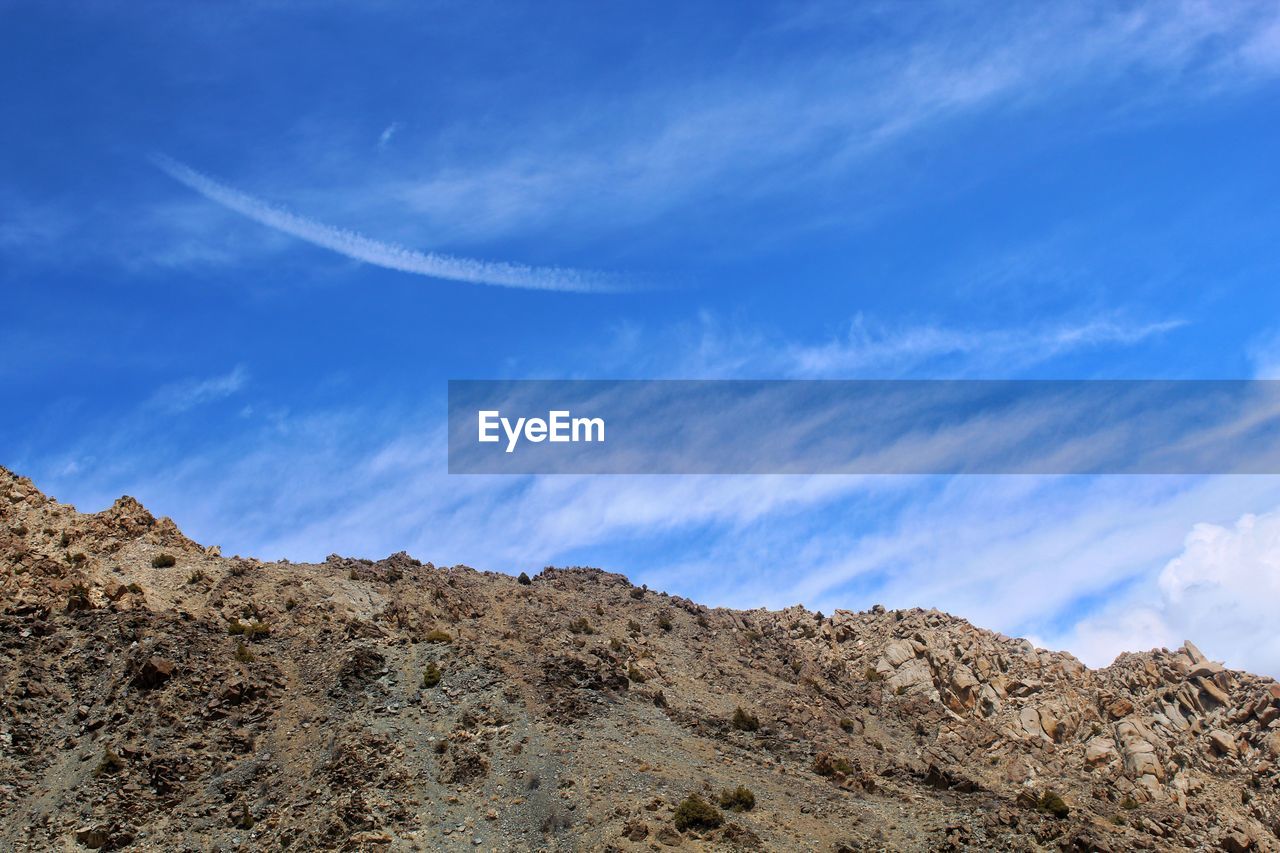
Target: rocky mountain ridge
[(160, 696)]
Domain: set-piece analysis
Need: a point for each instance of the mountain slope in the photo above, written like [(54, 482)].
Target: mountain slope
[(224, 703)]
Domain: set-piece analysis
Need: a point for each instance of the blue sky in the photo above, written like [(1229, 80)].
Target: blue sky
[(198, 209)]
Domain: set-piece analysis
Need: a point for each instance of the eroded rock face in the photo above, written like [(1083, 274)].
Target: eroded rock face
[(392, 704)]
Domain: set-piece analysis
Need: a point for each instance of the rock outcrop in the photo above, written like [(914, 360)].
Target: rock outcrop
[(159, 696)]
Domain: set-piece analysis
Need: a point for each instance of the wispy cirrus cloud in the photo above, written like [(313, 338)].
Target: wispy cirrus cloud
[(388, 255), (712, 347), (793, 121), (878, 349), (184, 396)]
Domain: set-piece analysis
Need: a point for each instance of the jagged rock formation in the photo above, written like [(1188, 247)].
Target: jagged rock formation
[(158, 696)]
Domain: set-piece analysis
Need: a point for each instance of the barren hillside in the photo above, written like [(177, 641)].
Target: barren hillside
[(159, 696)]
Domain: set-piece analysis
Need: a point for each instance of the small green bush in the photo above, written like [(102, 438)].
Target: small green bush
[(873, 674), (664, 621), (249, 630), (826, 765), (743, 721), (1128, 803), (740, 799), (198, 576), (1050, 803), (438, 636), (847, 724), (581, 626), (163, 561), (636, 675), (430, 676), (242, 653), (524, 579), (696, 813)]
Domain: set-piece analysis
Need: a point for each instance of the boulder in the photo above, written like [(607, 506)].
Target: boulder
[(1194, 653), (897, 653), (1206, 669), (154, 672), (1099, 750), (1223, 743)]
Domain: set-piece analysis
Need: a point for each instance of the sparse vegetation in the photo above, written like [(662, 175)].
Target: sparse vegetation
[(744, 721), (198, 576), (163, 561), (524, 579), (664, 620), (637, 593), (581, 626), (109, 763), (430, 676), (636, 675), (696, 813), (1051, 803), (290, 604), (740, 799), (243, 655), (827, 765), (1128, 803), (847, 724), (874, 674), (438, 636), (251, 631)]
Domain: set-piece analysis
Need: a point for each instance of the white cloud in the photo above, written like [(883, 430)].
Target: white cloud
[(711, 348), (384, 138), (887, 350), (390, 256), (775, 126), (1222, 592), (1264, 355), (182, 396)]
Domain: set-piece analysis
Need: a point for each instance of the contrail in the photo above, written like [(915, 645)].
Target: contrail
[(388, 255)]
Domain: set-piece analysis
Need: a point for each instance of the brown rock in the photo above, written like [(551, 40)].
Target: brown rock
[(1223, 743), (669, 837), (155, 672), (93, 837), (1237, 842), (1099, 750)]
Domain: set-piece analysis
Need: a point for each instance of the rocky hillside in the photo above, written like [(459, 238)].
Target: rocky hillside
[(160, 696)]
